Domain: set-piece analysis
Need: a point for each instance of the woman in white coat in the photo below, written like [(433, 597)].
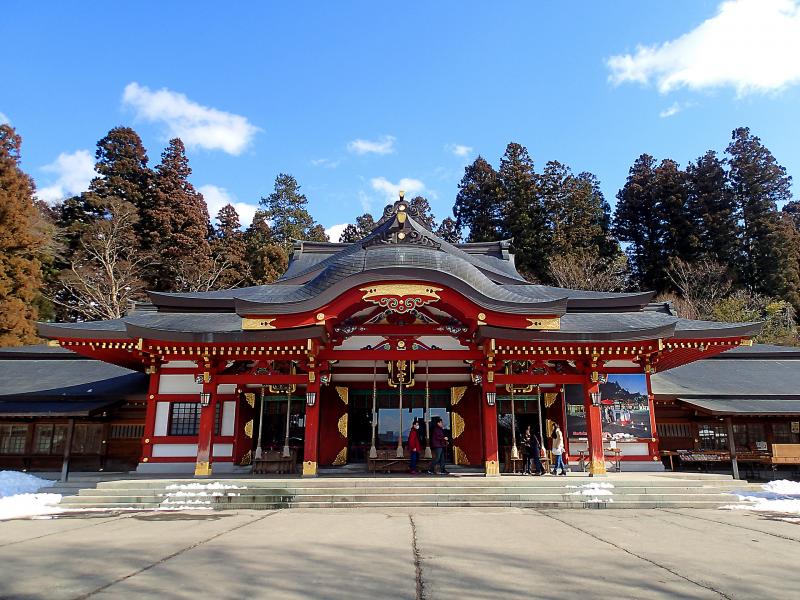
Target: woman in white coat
[(557, 448)]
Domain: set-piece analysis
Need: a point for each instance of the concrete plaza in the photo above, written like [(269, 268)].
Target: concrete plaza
[(410, 554)]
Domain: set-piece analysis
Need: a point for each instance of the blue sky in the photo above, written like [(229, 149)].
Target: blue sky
[(356, 98)]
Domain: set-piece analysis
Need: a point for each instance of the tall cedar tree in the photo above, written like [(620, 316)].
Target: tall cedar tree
[(449, 231), (637, 222), (357, 231), (424, 212), (679, 234), (20, 271), (267, 260), (285, 208), (759, 185), (712, 207), (793, 210), (578, 215), (230, 248), (477, 206), (177, 225), (523, 213)]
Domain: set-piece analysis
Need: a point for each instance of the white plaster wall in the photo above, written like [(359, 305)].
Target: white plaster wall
[(228, 418), (162, 418), (174, 450), (223, 450), (226, 388), (178, 384)]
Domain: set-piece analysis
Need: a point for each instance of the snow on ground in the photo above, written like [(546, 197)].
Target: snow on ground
[(593, 489), (14, 482), (780, 496), (18, 497), (215, 485)]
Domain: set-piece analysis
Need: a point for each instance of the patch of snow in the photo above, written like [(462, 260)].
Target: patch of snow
[(214, 485), (592, 492), (29, 505), (781, 496), (14, 482)]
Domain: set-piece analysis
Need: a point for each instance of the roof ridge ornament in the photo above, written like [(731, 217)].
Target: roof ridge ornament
[(399, 230)]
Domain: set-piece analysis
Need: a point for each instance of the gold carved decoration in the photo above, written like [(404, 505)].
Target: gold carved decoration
[(251, 400), (456, 394), (400, 297), (309, 468), (457, 424), (459, 456), (344, 393), (258, 324), (342, 424), (248, 428), (553, 324), (549, 399), (247, 459), (341, 458)]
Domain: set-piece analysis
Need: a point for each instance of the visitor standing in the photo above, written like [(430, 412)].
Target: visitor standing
[(414, 447), (557, 449), (526, 442), (536, 454), (438, 444)]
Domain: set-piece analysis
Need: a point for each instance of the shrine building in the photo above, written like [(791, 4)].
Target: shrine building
[(329, 365)]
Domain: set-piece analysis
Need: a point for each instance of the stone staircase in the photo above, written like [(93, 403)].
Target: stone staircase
[(384, 492)]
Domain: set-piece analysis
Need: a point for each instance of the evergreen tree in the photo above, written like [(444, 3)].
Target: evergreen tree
[(793, 210), (477, 206), (578, 215), (230, 249), (20, 271), (679, 235), (523, 213), (637, 222), (267, 260), (713, 209), (177, 226), (285, 209), (449, 231), (759, 185), (358, 231), (424, 212)]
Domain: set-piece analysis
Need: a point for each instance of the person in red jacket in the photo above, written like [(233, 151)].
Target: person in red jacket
[(414, 447)]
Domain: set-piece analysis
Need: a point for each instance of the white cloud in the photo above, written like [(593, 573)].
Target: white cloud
[(674, 109), (4, 119), (73, 172), (751, 45), (198, 126), (459, 149), (384, 145), (391, 191), (327, 163), (217, 197), (335, 231)]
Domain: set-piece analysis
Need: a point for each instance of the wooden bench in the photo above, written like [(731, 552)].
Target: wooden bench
[(785, 454), (273, 461), (388, 462)]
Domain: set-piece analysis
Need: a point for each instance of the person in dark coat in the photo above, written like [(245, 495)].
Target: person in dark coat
[(438, 445), (525, 442), (414, 447), (536, 455)]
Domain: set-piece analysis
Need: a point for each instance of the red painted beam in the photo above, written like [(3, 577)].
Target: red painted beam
[(422, 355)]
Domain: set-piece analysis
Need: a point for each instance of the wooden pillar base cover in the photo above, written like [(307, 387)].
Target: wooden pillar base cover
[(597, 467), (309, 468), (202, 469), (492, 468)]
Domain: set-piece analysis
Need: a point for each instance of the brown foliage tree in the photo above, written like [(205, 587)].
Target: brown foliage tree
[(20, 244), (230, 247)]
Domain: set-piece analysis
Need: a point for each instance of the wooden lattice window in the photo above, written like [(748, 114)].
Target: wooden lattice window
[(674, 430)]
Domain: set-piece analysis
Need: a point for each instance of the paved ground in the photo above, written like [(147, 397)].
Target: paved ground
[(411, 554)]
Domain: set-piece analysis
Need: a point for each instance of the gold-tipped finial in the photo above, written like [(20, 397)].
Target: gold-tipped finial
[(402, 194)]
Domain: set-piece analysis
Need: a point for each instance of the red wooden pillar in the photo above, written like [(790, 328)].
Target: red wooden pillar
[(489, 422), (594, 429), (150, 418), (311, 442), (206, 432)]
